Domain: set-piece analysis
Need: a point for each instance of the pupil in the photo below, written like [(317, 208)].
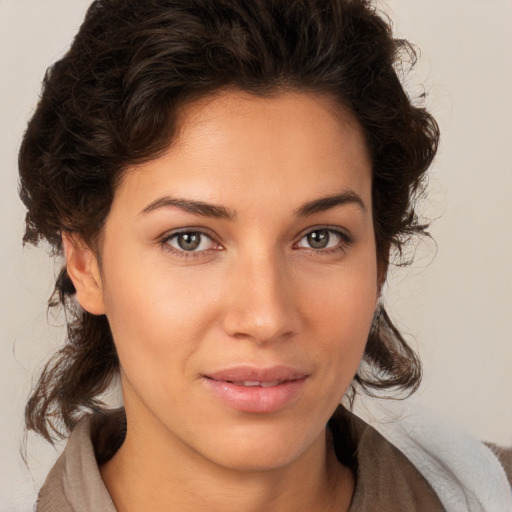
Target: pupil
[(318, 239), (189, 241)]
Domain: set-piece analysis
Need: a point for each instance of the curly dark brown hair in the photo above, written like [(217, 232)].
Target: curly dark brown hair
[(112, 101)]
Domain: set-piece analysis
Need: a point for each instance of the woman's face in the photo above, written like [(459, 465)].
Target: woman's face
[(239, 278)]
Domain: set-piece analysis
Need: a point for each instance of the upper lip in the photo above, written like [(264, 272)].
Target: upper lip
[(251, 373)]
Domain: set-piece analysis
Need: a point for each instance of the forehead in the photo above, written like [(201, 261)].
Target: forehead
[(233, 144), (236, 117)]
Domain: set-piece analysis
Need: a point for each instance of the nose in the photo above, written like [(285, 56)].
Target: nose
[(263, 303)]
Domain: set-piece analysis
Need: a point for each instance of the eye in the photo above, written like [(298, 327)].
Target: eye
[(190, 241), (322, 239)]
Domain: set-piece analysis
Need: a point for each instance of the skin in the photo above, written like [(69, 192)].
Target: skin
[(256, 292)]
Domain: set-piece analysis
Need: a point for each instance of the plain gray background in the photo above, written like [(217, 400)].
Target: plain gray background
[(457, 306)]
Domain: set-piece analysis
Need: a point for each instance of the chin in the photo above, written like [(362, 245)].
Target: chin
[(259, 449)]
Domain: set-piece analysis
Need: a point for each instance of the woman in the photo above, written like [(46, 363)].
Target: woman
[(227, 181)]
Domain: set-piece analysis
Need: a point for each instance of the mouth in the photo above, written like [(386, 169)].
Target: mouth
[(252, 376), (254, 384), (254, 390)]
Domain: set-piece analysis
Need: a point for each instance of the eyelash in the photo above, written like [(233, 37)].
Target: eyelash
[(183, 253), (345, 240), (341, 247)]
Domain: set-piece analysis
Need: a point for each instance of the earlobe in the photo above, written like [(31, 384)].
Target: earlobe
[(83, 269)]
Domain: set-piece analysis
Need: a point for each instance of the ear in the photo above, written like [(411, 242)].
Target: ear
[(83, 269)]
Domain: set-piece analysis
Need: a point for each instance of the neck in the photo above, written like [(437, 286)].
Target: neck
[(149, 472)]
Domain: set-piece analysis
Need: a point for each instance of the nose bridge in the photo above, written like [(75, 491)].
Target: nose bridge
[(262, 305)]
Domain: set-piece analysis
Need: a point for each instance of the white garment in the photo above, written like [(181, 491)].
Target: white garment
[(465, 474)]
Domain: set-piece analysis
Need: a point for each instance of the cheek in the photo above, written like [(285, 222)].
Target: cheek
[(346, 323), (157, 318), (340, 309), (163, 320), (346, 293)]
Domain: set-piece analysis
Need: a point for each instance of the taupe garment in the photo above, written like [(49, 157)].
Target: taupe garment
[(385, 479)]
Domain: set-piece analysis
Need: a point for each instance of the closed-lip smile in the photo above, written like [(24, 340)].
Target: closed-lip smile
[(256, 390)]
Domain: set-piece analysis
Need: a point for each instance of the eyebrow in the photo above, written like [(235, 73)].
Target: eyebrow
[(196, 207), (326, 203), (220, 212)]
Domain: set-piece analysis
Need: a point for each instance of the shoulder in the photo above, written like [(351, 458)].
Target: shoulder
[(74, 483), (385, 478), (464, 472), (504, 455)]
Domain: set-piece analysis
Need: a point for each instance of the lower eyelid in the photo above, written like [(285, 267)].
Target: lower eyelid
[(344, 241), (166, 239), (344, 238)]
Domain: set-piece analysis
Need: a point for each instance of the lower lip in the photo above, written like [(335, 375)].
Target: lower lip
[(256, 399)]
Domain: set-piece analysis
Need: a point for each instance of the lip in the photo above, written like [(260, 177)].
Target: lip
[(268, 389)]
